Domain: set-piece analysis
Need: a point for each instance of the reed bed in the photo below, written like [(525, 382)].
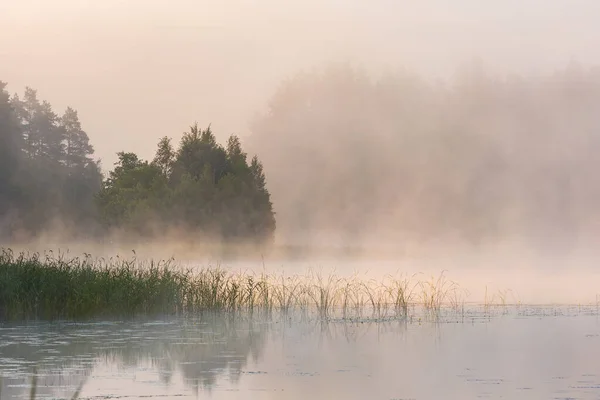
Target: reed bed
[(55, 287)]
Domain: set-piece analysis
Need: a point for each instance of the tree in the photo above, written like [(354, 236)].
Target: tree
[(165, 156), (201, 189), (199, 150), (53, 176), (77, 147), (51, 137), (25, 111), (10, 143), (48, 176), (263, 219), (237, 157), (10, 159), (129, 197)]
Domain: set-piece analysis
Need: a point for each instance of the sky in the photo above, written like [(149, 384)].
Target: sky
[(137, 70)]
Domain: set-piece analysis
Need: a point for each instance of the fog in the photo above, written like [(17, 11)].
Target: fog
[(138, 70)]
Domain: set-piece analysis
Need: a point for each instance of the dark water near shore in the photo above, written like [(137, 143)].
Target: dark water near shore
[(524, 353)]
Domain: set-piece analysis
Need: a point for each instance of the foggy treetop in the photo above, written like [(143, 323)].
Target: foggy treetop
[(479, 157)]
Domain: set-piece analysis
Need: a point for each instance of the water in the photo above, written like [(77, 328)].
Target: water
[(516, 353)]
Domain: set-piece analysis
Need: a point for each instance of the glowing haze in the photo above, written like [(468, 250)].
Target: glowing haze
[(137, 70), (140, 69)]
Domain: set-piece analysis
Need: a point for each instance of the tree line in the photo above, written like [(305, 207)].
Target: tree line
[(50, 182), (477, 157)]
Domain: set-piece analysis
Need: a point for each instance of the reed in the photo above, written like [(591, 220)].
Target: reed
[(436, 292), (55, 287)]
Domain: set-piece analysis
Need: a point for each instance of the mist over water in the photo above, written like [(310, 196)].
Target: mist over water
[(403, 143), (395, 136)]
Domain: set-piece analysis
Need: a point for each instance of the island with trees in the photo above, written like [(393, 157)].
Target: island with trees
[(51, 182)]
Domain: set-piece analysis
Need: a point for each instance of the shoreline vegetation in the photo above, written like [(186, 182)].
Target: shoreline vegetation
[(54, 287), (48, 287)]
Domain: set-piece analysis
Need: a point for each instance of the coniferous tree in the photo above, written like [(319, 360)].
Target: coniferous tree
[(26, 111), (51, 146), (54, 177), (264, 219), (10, 143), (77, 147), (10, 160)]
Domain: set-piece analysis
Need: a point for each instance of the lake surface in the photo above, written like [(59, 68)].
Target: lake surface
[(513, 353)]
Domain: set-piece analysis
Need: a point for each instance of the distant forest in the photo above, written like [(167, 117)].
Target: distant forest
[(50, 182), (478, 157)]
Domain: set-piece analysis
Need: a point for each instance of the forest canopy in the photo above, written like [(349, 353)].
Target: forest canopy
[(50, 182), (48, 177), (200, 187)]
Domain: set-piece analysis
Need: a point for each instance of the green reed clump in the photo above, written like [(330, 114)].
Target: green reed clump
[(54, 287)]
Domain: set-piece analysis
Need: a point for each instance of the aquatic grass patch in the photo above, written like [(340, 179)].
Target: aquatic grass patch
[(52, 287), (56, 287), (49, 286), (435, 292), (499, 300)]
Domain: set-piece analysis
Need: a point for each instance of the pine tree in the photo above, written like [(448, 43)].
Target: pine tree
[(77, 147), (237, 157), (10, 139), (263, 221), (42, 136), (51, 145), (26, 110), (10, 154)]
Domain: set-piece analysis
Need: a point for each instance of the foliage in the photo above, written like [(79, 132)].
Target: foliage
[(49, 180), (47, 172), (199, 188)]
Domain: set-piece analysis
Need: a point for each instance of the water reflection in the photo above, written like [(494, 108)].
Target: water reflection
[(63, 356), (520, 353), (51, 360)]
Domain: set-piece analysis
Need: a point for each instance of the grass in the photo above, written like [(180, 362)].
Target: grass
[(54, 287)]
